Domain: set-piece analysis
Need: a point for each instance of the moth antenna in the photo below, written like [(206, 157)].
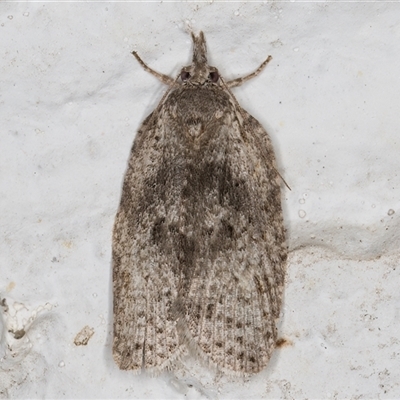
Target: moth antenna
[(163, 78), (243, 79), (280, 176)]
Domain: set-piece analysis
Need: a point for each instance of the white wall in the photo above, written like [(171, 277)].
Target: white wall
[(72, 97)]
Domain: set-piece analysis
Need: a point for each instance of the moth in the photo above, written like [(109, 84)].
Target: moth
[(199, 249)]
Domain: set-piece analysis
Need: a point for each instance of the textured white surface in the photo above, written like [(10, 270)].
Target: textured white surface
[(72, 99)]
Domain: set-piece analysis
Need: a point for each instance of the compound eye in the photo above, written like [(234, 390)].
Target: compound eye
[(214, 76), (185, 76)]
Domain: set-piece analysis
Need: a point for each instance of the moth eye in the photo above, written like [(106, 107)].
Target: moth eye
[(185, 75), (214, 76)]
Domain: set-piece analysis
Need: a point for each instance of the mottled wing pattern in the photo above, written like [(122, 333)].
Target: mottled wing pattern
[(199, 248), (144, 280), (234, 291)]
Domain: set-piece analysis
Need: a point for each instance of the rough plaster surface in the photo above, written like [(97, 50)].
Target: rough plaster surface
[(72, 99)]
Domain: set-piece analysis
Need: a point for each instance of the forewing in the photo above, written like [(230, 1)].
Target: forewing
[(145, 287), (233, 293)]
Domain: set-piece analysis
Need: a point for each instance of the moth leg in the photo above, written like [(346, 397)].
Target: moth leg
[(243, 79), (163, 78)]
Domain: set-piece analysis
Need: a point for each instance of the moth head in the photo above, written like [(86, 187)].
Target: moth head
[(199, 76), (199, 73)]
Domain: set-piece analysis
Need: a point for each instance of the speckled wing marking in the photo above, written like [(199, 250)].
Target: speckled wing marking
[(199, 248), (235, 290), (145, 285)]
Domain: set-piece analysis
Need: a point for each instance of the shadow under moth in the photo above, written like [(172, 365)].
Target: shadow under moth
[(199, 250)]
